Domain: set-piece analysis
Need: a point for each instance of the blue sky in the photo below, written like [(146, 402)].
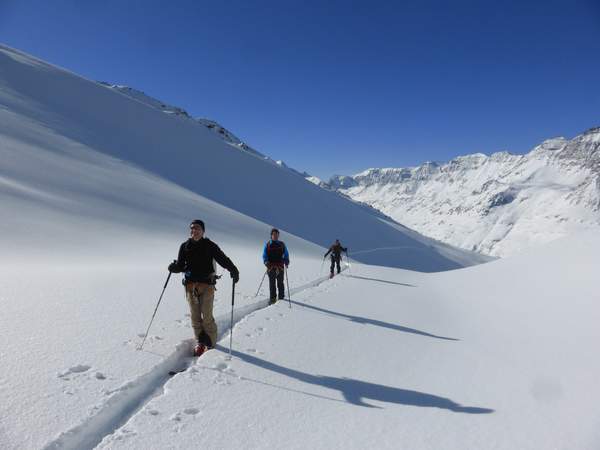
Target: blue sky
[(340, 86)]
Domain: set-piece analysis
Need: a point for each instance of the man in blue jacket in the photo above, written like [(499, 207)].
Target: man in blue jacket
[(276, 258)]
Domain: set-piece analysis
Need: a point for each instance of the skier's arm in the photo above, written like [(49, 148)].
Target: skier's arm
[(225, 262), (286, 255), (328, 252), (178, 265), (265, 258)]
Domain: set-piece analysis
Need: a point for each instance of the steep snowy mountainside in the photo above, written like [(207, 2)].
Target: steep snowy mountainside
[(212, 125), (496, 205), (175, 148)]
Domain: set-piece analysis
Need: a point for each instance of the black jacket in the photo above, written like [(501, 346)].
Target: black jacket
[(336, 251), (196, 258)]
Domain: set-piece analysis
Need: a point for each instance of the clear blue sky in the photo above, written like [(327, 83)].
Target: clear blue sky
[(340, 86)]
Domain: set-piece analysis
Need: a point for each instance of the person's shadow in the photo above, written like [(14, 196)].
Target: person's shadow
[(378, 323), (379, 280), (356, 391)]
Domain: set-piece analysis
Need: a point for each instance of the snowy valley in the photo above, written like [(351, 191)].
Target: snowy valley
[(416, 344), (497, 205)]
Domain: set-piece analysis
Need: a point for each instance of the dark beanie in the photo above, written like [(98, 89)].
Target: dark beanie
[(198, 222), (274, 230)]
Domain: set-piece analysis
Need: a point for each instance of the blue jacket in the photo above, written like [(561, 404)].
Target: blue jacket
[(286, 255)]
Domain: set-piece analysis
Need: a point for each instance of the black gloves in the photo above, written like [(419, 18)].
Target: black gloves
[(235, 275), (174, 268)]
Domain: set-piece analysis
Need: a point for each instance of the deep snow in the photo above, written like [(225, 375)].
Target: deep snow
[(500, 355)]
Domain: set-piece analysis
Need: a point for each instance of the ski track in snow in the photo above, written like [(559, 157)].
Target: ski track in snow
[(130, 398)]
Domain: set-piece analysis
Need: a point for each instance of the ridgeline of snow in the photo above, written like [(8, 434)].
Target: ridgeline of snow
[(222, 132), (496, 205)]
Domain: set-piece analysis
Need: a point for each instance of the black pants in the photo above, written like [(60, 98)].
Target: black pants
[(335, 261), (276, 274)]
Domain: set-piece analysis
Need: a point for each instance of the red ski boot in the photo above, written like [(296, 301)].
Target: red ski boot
[(199, 349)]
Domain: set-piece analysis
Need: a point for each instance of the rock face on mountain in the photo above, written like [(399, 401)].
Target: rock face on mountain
[(496, 205)]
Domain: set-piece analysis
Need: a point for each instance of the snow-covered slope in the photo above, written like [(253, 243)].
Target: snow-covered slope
[(171, 146), (496, 205), (457, 360), (221, 132), (485, 357)]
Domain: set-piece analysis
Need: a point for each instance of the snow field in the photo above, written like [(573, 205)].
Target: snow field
[(396, 359)]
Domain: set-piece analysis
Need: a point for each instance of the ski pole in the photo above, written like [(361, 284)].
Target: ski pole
[(287, 280), (261, 283), (231, 323), (155, 309), (349, 263)]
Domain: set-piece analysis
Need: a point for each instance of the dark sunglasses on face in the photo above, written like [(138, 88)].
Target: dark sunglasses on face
[(195, 227)]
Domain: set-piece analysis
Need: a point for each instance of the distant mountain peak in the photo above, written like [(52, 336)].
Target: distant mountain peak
[(498, 204)]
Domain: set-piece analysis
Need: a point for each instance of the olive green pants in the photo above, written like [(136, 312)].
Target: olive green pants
[(200, 297)]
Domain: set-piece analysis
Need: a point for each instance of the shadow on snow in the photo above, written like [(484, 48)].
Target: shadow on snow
[(356, 391), (377, 279), (378, 323)]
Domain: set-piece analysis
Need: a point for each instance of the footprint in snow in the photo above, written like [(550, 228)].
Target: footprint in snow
[(220, 380), (153, 412), (100, 376), (191, 411), (79, 368), (221, 366)]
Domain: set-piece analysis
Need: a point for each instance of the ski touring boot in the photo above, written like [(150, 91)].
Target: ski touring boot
[(199, 349)]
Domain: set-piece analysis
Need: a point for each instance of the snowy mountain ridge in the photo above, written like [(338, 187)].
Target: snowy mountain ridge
[(222, 132), (497, 204)]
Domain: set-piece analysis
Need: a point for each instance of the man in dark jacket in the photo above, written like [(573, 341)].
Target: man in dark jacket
[(196, 259), (276, 258), (336, 255)]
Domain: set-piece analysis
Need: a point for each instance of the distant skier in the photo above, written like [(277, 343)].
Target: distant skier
[(336, 256), (276, 258), (197, 258)]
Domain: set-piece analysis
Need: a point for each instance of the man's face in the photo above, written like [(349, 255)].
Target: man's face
[(275, 236), (196, 231)]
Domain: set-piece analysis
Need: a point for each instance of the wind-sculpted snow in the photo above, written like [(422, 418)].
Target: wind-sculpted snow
[(58, 115), (498, 204)]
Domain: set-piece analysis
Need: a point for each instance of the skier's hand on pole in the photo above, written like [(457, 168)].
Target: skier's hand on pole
[(235, 276), (173, 267)]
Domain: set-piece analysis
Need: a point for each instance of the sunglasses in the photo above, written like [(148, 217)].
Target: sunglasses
[(195, 227)]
